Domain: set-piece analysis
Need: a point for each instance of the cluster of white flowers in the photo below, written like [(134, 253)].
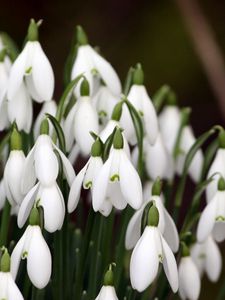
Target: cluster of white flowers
[(103, 126)]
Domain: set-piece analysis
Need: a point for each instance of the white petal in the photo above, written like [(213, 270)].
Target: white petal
[(170, 232), (133, 232), (13, 291), (39, 261), (46, 163), (51, 199), (170, 266), (17, 72), (28, 177), (20, 109), (94, 166), (107, 72), (219, 231), (67, 167), (206, 221), (17, 254), (115, 196), (107, 292), (106, 208), (130, 182), (27, 205), (213, 260), (189, 279), (150, 117), (75, 190), (100, 185), (85, 121), (144, 261), (42, 75), (3, 285)]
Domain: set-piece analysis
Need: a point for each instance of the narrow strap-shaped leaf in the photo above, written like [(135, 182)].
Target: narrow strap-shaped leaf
[(160, 97), (59, 132), (128, 81)]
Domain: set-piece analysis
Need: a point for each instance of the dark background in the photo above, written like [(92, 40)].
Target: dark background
[(150, 32)]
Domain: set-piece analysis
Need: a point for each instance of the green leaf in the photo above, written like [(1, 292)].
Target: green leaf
[(128, 81), (160, 96), (10, 45), (208, 157), (59, 132), (66, 96), (108, 144)]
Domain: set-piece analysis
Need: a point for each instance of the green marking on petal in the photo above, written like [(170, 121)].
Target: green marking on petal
[(115, 177), (160, 256), (102, 113), (28, 71), (94, 72), (24, 255), (202, 256), (88, 184), (220, 219), (141, 113)]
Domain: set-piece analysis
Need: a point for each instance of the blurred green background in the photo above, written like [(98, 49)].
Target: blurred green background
[(150, 32)]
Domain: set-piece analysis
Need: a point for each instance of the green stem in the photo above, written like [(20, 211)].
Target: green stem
[(5, 220)]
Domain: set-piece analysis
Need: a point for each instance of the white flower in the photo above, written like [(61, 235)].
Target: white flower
[(8, 288), (105, 101), (107, 292), (85, 178), (49, 107), (189, 279), (212, 219), (169, 123), (158, 160), (33, 247), (217, 166), (186, 142), (88, 62), (150, 250), (42, 163), (140, 99), (32, 67), (20, 109), (81, 120), (12, 177), (166, 225), (117, 182), (207, 258), (48, 197)]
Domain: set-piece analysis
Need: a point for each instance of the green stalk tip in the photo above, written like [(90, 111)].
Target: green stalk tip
[(15, 139), (109, 277), (138, 75), (118, 139), (221, 138), (84, 88), (82, 38), (32, 34), (44, 128), (171, 98), (97, 148), (34, 218), (184, 250), (221, 184), (153, 216), (157, 187), (3, 53), (117, 111), (5, 262)]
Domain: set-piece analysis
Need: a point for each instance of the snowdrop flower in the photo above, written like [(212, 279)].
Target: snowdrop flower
[(150, 250), (166, 224), (81, 120), (189, 278), (169, 123), (186, 142), (207, 258), (33, 247), (86, 176), (139, 98), (118, 181), (49, 107), (217, 166), (4, 74), (158, 160), (32, 67), (105, 101), (50, 198), (14, 169), (91, 64), (212, 219), (107, 291), (42, 163), (8, 287)]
